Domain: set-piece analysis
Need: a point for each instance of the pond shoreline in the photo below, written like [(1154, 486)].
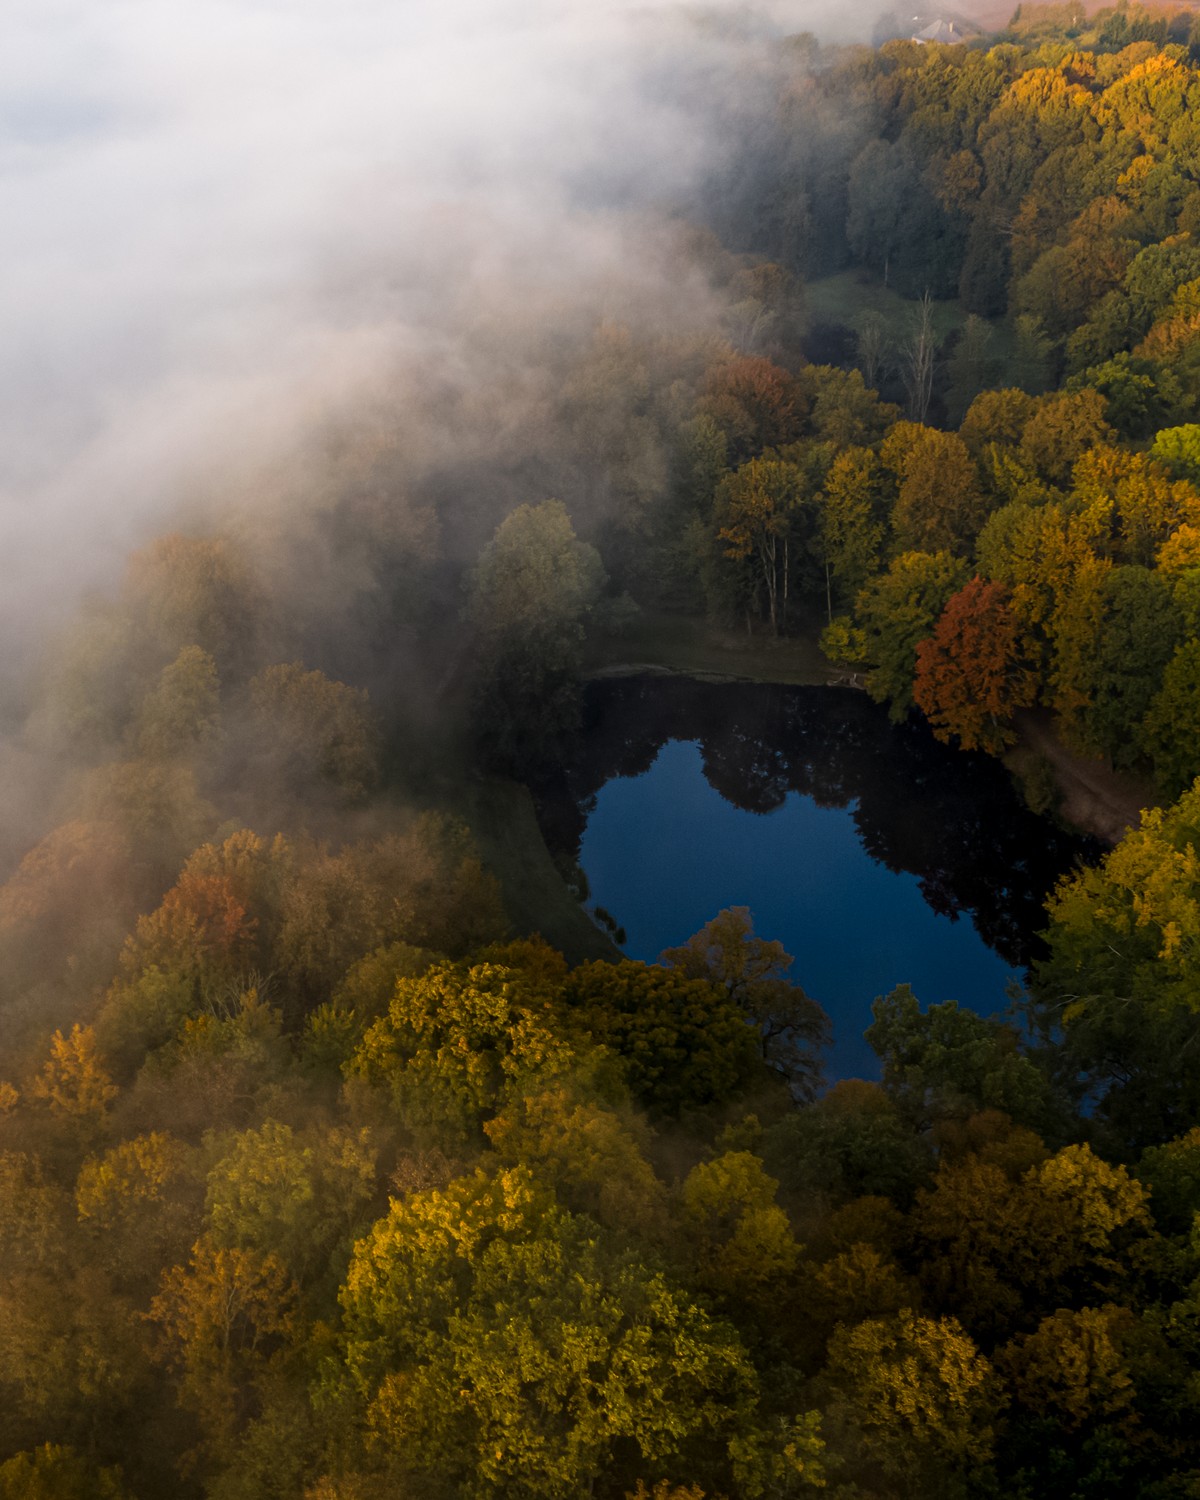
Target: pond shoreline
[(1092, 798), (871, 851)]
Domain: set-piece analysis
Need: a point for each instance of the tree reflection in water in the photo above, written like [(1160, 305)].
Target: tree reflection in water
[(950, 818)]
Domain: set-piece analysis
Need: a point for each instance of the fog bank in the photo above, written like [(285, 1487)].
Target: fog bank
[(228, 219)]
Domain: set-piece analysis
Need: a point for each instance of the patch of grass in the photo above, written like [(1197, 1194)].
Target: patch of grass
[(511, 845), (844, 298), (684, 644)]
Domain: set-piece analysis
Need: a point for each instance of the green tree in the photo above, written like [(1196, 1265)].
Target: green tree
[(1073, 1369), (971, 365), (34, 1214), (853, 1142), (53, 1472), (1121, 977), (293, 1196), (530, 593), (1033, 354), (140, 1204), (424, 887), (496, 1346), (1170, 732), (898, 610), (1140, 395), (183, 591), (182, 713), (752, 971), (845, 410), (593, 1153), (1172, 1173), (1137, 637), (1178, 448), (736, 1233), (307, 728), (914, 1404), (456, 1044), (1075, 1424), (1004, 1248), (684, 1043), (947, 1062)]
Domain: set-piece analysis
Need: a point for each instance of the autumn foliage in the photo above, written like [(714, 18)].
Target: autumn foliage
[(971, 673), (324, 1177)]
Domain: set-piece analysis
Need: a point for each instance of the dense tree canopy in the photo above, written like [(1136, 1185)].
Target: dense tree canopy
[(324, 1176)]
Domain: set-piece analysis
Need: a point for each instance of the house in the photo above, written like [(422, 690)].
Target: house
[(945, 32)]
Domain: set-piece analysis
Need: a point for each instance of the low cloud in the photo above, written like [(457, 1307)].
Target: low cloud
[(226, 219)]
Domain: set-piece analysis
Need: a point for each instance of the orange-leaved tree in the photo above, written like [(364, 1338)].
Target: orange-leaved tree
[(973, 673)]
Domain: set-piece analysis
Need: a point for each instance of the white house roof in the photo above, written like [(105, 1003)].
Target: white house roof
[(940, 31)]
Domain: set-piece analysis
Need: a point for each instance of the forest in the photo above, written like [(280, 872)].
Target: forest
[(325, 1176)]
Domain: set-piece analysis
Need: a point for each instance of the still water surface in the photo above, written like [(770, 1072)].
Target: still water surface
[(877, 856)]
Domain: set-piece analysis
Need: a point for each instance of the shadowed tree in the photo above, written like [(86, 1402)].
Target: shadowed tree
[(914, 1404), (530, 593), (898, 610), (752, 971), (308, 728)]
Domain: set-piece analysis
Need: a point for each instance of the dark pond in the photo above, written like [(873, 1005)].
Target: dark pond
[(876, 855)]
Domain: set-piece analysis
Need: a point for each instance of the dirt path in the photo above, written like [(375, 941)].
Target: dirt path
[(1097, 800)]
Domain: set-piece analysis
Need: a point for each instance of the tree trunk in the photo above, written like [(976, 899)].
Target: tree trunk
[(769, 555), (786, 572)]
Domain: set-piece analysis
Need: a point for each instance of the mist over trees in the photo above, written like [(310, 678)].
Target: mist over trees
[(445, 348)]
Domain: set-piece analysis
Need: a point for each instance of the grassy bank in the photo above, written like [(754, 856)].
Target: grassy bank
[(697, 648), (511, 845)]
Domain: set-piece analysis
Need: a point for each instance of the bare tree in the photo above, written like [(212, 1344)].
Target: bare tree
[(917, 358), (870, 348)]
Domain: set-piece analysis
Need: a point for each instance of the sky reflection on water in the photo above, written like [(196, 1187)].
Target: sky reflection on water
[(874, 854), (664, 852)]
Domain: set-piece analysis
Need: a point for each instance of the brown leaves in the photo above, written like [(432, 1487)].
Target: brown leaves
[(972, 672)]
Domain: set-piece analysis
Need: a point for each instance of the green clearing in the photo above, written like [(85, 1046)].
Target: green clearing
[(847, 296)]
